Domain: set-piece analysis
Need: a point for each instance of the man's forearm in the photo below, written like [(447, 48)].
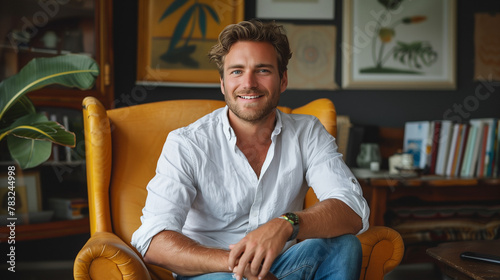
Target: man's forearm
[(329, 218), (182, 255)]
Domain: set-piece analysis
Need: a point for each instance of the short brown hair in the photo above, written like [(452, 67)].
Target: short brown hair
[(252, 30)]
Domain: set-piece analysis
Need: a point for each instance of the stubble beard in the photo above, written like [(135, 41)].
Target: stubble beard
[(251, 116)]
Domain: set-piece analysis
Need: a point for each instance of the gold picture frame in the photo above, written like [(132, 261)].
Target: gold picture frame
[(174, 40), (399, 45), (27, 197)]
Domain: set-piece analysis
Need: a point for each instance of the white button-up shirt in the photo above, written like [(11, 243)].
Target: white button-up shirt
[(205, 188)]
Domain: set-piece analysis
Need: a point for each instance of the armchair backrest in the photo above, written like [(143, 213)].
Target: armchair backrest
[(123, 146)]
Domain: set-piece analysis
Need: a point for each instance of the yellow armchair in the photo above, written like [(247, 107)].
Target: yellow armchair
[(122, 149)]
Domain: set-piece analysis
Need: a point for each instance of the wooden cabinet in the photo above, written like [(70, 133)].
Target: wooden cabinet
[(31, 29), (380, 191), (430, 210)]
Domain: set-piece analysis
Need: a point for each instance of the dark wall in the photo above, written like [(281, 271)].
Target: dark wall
[(365, 107)]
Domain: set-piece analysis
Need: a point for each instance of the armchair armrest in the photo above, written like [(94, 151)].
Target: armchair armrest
[(383, 250), (106, 256)]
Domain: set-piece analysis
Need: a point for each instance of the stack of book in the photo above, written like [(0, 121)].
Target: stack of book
[(444, 147)]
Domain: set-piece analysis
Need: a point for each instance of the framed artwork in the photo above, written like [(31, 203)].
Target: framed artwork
[(486, 46), (312, 65), (27, 195), (175, 37), (399, 44), (295, 9)]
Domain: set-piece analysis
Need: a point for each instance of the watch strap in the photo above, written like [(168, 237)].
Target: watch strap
[(293, 219)]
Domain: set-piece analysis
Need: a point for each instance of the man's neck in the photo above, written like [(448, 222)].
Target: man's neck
[(254, 139), (258, 132)]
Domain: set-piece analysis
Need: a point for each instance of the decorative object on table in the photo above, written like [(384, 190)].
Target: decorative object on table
[(399, 44), (395, 161), (416, 141), (30, 134), (69, 208), (296, 9), (176, 36), (486, 46), (369, 156), (313, 65)]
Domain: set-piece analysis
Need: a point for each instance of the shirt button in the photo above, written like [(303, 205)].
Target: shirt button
[(353, 181)]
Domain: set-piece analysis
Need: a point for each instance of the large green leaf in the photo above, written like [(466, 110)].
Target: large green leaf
[(37, 127), (28, 152), (29, 139), (22, 107), (68, 70)]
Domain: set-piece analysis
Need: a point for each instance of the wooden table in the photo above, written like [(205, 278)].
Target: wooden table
[(448, 257), (381, 188)]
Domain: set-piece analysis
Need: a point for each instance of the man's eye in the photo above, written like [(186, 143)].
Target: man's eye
[(236, 72), (264, 71)]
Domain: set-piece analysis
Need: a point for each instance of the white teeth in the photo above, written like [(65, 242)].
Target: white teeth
[(249, 97)]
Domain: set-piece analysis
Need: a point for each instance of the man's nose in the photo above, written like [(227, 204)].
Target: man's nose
[(250, 80)]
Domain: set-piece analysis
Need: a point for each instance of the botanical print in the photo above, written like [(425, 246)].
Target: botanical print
[(400, 39)]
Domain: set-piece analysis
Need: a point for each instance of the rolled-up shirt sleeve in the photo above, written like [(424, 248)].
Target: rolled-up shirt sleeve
[(330, 177), (170, 193)]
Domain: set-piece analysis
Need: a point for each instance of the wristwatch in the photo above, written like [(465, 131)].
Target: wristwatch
[(293, 219)]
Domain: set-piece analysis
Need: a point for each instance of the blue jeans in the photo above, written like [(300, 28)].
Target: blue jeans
[(311, 259)]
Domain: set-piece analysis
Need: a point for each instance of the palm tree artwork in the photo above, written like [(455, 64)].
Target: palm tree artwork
[(413, 56), (180, 51)]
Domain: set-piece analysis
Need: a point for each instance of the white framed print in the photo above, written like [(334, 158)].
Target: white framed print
[(295, 9), (399, 44)]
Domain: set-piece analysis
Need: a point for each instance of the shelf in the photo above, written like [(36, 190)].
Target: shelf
[(380, 191), (47, 230)]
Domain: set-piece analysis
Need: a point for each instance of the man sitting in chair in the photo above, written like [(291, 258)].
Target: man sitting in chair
[(227, 198)]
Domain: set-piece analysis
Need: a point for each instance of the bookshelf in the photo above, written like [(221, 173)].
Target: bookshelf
[(33, 29), (455, 149)]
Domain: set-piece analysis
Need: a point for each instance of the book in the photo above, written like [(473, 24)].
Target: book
[(476, 148), (496, 160), (482, 151), (436, 134), (466, 170), (490, 146), (453, 149), (461, 150), (416, 138), (444, 146)]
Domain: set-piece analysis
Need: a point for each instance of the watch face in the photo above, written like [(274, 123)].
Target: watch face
[(292, 217)]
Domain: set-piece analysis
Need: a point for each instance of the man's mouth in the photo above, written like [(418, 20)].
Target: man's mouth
[(249, 97)]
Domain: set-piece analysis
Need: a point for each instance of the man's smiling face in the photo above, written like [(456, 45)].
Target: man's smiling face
[(251, 84)]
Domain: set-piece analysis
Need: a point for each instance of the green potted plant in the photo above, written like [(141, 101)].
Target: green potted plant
[(30, 134)]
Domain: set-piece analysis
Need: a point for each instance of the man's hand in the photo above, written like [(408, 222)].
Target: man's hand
[(256, 252)]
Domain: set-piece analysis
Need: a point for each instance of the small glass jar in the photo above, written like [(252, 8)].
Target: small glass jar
[(368, 153)]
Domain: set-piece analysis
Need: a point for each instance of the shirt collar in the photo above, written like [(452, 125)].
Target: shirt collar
[(229, 132)]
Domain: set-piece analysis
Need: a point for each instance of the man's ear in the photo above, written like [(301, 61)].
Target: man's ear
[(222, 85), (284, 81)]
